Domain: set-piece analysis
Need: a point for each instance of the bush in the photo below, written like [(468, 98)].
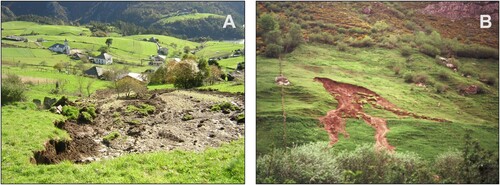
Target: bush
[(273, 50), (342, 46), (367, 41), (70, 112), (441, 88), (416, 78), (476, 51), (488, 79), (430, 50), (143, 109), (443, 75), (411, 25), (396, 69), (305, 164), (447, 167), (323, 37), (468, 72), (406, 51), (85, 116), (367, 165), (380, 26), (13, 89), (187, 117), (357, 30)]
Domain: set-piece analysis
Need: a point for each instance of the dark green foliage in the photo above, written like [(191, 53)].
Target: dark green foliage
[(441, 88), (240, 118), (303, 165), (480, 166), (416, 78), (224, 107), (443, 75), (70, 112), (293, 38), (488, 79), (323, 37), (429, 50), (110, 137), (367, 41), (273, 50), (13, 89), (476, 51), (85, 116), (406, 51), (159, 76), (266, 23)]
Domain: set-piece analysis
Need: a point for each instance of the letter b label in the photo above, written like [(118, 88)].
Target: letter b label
[(485, 21)]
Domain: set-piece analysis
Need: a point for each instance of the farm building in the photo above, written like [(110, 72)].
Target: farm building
[(59, 48), (157, 60), (135, 76), (95, 72), (15, 38), (103, 59), (162, 51)]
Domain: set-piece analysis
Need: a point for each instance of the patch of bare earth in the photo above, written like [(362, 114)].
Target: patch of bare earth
[(164, 129)]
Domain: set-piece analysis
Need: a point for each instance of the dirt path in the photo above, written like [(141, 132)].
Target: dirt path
[(180, 120), (350, 100)]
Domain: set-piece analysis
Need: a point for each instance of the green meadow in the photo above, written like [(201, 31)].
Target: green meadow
[(25, 129), (306, 101)]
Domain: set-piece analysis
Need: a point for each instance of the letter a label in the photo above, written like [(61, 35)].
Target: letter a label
[(229, 21)]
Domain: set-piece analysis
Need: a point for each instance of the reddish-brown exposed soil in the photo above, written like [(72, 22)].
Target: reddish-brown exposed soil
[(167, 128), (350, 100)]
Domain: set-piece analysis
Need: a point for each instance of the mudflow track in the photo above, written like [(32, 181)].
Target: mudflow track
[(350, 100), (164, 129)]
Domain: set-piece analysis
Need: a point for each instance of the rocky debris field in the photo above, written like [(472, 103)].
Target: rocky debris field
[(185, 120)]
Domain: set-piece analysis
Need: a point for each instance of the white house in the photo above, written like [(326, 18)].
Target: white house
[(103, 59), (59, 48)]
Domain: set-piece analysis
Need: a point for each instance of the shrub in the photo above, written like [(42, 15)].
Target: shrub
[(476, 51), (240, 118), (396, 69), (488, 79), (447, 167), (367, 41), (323, 37), (411, 25), (367, 165), (468, 72), (305, 164), (480, 166), (416, 78), (429, 50), (406, 51), (357, 30), (273, 50), (380, 26), (441, 88), (342, 46), (70, 112), (443, 75), (13, 89)]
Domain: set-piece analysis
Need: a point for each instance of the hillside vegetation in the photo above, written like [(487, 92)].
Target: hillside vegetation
[(418, 64)]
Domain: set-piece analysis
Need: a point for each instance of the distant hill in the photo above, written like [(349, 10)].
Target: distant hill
[(143, 14)]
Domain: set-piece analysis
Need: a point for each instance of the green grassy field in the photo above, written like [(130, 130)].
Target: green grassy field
[(22, 27), (187, 17), (220, 165), (231, 63), (218, 49), (306, 100)]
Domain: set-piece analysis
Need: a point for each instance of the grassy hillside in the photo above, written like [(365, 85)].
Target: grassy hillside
[(187, 17), (22, 27), (306, 100)]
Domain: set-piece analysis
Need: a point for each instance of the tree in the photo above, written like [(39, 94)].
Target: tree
[(159, 76), (59, 66), (273, 50), (128, 85), (109, 41), (103, 49), (187, 75), (266, 23), (203, 66), (187, 49), (293, 38), (89, 86), (214, 76), (12, 89)]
